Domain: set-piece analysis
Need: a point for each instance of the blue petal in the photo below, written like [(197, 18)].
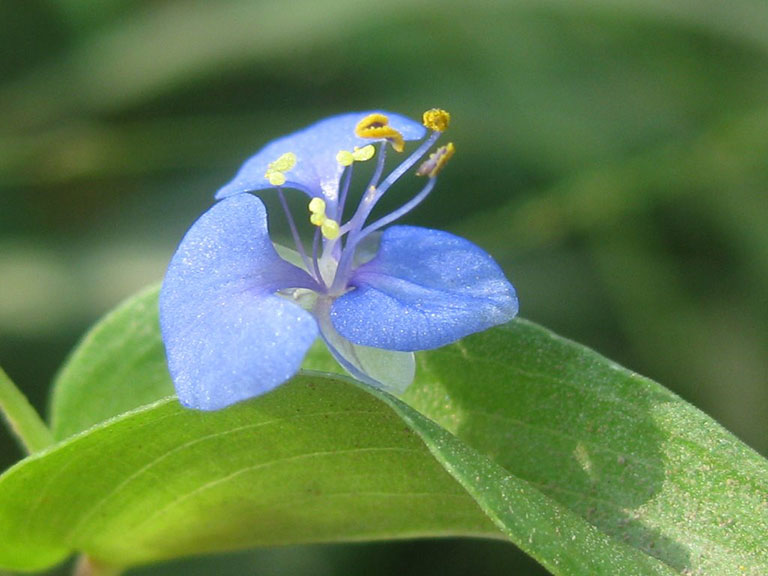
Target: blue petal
[(424, 289), (316, 171), (227, 336)]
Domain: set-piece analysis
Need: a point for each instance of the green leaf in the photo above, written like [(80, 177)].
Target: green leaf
[(589, 468), (100, 509), (623, 452), (317, 460), (118, 366), (557, 537)]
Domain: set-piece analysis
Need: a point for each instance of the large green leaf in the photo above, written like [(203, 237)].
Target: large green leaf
[(586, 466), (318, 460), (620, 450), (561, 540)]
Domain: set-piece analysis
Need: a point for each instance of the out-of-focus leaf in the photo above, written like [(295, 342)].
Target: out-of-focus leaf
[(21, 417), (208, 35)]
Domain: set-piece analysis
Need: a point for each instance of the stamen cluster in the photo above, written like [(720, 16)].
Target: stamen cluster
[(340, 242)]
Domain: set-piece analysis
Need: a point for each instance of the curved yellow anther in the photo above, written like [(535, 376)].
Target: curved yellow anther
[(371, 122), (330, 229), (436, 119), (276, 170), (432, 165), (377, 126)]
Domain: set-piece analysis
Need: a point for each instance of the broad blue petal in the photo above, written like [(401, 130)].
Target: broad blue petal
[(227, 336), (316, 171), (424, 289)]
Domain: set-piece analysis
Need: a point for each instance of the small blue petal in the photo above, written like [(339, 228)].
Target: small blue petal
[(227, 336), (424, 289), (389, 370), (316, 171)]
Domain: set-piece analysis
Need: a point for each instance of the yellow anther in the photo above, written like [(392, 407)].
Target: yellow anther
[(345, 158), (371, 122), (432, 166), (377, 126), (275, 178), (284, 163), (436, 119), (330, 229), (317, 205), (317, 209), (276, 170), (364, 153)]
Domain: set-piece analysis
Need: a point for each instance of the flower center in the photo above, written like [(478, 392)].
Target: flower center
[(331, 261)]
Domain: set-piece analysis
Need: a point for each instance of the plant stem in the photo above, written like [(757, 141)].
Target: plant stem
[(23, 420)]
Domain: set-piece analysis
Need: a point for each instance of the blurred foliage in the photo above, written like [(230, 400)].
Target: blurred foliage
[(613, 156)]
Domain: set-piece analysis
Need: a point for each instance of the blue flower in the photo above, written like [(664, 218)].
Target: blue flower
[(238, 314)]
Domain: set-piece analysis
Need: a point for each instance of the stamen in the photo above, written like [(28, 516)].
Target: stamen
[(317, 205), (315, 262), (377, 126), (363, 154), (402, 169), (370, 122), (397, 214), (379, 169), (346, 158), (436, 119), (276, 170), (372, 195), (343, 194), (292, 226), (432, 166), (284, 163), (329, 227), (275, 178)]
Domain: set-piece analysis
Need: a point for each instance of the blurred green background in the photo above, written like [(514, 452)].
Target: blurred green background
[(612, 155)]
